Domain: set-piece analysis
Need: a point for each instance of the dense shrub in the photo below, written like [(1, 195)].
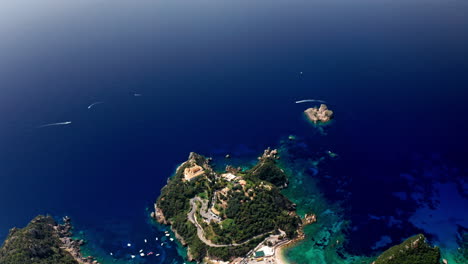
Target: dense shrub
[(414, 250)]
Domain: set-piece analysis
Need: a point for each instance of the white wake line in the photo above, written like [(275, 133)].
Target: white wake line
[(310, 101), (93, 104), (56, 124)]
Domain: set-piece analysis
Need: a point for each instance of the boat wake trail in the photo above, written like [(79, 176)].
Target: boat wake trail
[(93, 104), (56, 124), (310, 101)]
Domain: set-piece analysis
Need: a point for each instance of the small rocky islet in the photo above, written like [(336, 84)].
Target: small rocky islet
[(319, 115)]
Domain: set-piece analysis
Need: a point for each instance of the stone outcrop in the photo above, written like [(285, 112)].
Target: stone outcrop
[(319, 115), (309, 219), (159, 215), (71, 245), (232, 169), (269, 154)]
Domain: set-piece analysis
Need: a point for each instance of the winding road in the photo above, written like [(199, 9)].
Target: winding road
[(201, 234)]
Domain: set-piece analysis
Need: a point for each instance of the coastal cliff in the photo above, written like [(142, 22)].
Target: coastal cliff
[(43, 241), (159, 215)]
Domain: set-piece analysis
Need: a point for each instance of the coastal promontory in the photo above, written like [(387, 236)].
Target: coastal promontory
[(414, 250), (43, 241), (229, 214)]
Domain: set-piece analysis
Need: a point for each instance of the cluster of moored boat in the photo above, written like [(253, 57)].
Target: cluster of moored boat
[(142, 253)]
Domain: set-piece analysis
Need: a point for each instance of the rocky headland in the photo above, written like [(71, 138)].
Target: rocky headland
[(225, 215), (43, 241)]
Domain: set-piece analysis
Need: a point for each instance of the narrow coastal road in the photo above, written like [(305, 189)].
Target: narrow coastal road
[(201, 235), (192, 218)]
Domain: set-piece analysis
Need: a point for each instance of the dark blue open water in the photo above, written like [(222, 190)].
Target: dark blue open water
[(221, 77)]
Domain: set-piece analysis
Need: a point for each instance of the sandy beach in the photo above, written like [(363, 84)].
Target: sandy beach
[(279, 255)]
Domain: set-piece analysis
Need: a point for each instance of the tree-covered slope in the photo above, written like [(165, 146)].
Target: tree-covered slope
[(268, 170), (37, 243), (414, 250), (235, 207)]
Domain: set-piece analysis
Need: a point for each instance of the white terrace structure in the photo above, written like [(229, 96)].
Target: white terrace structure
[(229, 176)]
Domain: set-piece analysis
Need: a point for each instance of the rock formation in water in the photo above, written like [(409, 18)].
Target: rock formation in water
[(319, 115)]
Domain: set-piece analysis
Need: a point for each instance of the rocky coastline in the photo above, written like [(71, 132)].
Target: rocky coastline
[(71, 245), (43, 240), (279, 257), (159, 217)]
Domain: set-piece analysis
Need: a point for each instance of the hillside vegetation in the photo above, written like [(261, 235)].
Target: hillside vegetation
[(414, 250), (245, 205), (37, 243)]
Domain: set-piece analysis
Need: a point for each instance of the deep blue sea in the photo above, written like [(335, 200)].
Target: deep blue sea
[(219, 77)]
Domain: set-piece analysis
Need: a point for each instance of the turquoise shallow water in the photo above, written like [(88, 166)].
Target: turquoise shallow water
[(323, 239)]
